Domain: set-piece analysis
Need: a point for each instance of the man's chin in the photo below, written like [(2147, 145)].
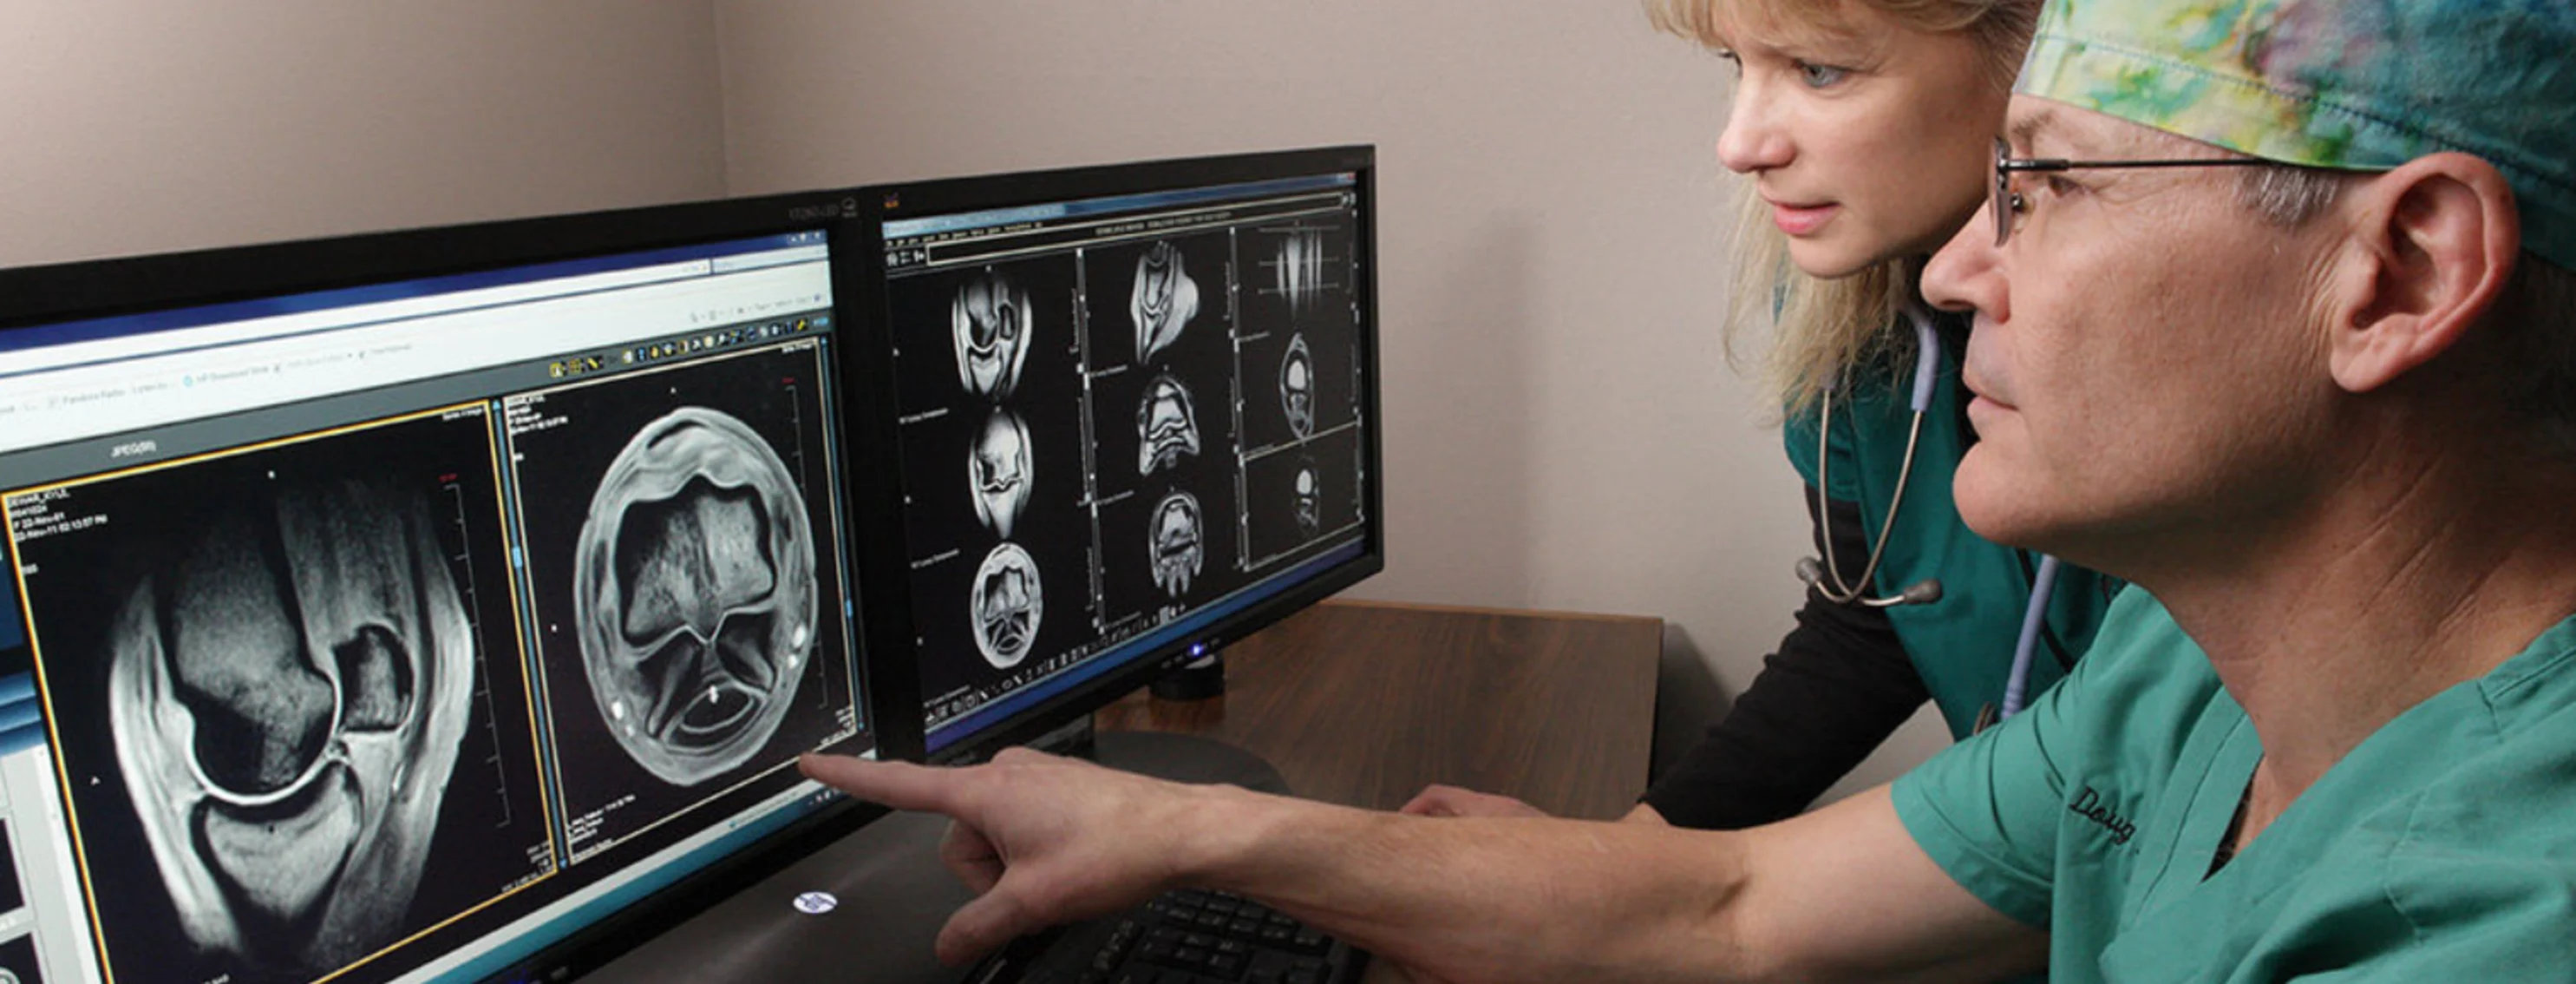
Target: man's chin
[(2000, 508)]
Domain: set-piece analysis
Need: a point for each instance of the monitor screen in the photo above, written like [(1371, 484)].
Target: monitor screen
[(382, 610), (1137, 418)]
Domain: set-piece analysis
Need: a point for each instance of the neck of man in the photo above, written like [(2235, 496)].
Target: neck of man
[(2422, 567)]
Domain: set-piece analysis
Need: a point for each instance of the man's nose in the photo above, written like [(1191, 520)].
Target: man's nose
[(1967, 274)]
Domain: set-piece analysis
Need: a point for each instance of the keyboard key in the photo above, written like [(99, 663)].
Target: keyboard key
[(1225, 965)]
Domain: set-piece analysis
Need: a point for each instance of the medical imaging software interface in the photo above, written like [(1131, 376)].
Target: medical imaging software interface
[(1122, 418), (393, 632)]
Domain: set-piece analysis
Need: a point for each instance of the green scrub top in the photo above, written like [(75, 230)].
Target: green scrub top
[(2442, 848), (1961, 645)]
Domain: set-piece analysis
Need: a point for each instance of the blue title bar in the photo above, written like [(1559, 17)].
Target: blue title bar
[(66, 332), (988, 218)]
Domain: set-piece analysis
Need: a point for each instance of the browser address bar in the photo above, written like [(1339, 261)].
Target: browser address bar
[(95, 400)]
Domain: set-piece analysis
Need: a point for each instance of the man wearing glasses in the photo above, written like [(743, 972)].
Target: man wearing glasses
[(2273, 319)]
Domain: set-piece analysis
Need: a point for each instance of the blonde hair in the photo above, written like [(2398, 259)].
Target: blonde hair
[(1822, 328)]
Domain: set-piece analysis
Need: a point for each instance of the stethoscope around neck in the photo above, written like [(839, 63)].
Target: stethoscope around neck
[(1826, 576)]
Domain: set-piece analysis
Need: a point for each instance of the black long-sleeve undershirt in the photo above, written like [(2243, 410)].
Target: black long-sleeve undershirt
[(1839, 684)]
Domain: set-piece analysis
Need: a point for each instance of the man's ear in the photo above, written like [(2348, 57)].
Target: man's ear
[(2435, 241)]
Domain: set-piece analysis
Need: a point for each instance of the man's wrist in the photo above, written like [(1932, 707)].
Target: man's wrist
[(1228, 837)]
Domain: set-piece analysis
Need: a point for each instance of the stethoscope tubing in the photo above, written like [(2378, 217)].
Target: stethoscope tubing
[(1831, 584)]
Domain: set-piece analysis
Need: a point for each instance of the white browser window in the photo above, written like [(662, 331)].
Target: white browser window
[(89, 389)]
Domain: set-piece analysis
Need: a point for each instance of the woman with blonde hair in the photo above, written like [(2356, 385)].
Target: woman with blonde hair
[(1866, 130)]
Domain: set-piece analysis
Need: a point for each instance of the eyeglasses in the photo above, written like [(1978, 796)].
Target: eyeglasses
[(2006, 203)]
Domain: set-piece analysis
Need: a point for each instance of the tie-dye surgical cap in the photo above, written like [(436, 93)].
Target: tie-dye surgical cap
[(2351, 84)]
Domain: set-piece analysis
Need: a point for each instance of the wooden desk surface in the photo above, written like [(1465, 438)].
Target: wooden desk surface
[(1365, 703)]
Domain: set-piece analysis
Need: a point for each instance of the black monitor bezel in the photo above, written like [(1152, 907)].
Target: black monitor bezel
[(39, 295), (882, 451)]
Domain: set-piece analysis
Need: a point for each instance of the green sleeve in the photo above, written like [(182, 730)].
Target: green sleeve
[(1987, 809)]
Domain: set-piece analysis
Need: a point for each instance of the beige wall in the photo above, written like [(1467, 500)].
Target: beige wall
[(135, 126), (1561, 431)]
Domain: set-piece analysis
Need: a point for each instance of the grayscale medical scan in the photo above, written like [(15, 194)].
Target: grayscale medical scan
[(298, 690), (1159, 405), (681, 603)]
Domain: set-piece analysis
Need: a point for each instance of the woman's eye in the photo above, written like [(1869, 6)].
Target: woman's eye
[(1733, 63), (2060, 186), (1820, 76)]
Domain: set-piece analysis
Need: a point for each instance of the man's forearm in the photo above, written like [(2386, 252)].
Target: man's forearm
[(1557, 899)]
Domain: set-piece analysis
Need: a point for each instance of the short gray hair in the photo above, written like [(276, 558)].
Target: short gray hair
[(2537, 355)]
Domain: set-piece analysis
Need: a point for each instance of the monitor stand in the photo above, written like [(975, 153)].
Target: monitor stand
[(894, 894)]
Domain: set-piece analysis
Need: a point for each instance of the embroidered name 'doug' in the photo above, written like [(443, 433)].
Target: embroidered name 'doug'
[(2089, 805)]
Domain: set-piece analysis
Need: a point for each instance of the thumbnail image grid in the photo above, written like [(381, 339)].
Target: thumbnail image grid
[(996, 472)]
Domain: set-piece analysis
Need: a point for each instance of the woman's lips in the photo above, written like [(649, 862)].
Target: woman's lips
[(1800, 220)]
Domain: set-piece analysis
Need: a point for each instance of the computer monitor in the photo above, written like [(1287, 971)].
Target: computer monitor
[(435, 605), (1136, 418)]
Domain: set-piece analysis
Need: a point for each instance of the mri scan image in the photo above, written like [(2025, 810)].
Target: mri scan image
[(1298, 272), (1008, 605), (999, 472), (287, 699), (18, 961), (694, 594), (1164, 301), (1176, 549), (991, 321), (1167, 427), (1297, 387), (1309, 492)]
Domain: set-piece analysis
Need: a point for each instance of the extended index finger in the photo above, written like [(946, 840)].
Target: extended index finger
[(901, 785)]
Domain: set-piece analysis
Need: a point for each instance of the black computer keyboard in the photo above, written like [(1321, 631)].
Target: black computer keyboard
[(1182, 937)]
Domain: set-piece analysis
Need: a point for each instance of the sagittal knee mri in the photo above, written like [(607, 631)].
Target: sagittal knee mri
[(283, 700), (287, 702), (694, 591)]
